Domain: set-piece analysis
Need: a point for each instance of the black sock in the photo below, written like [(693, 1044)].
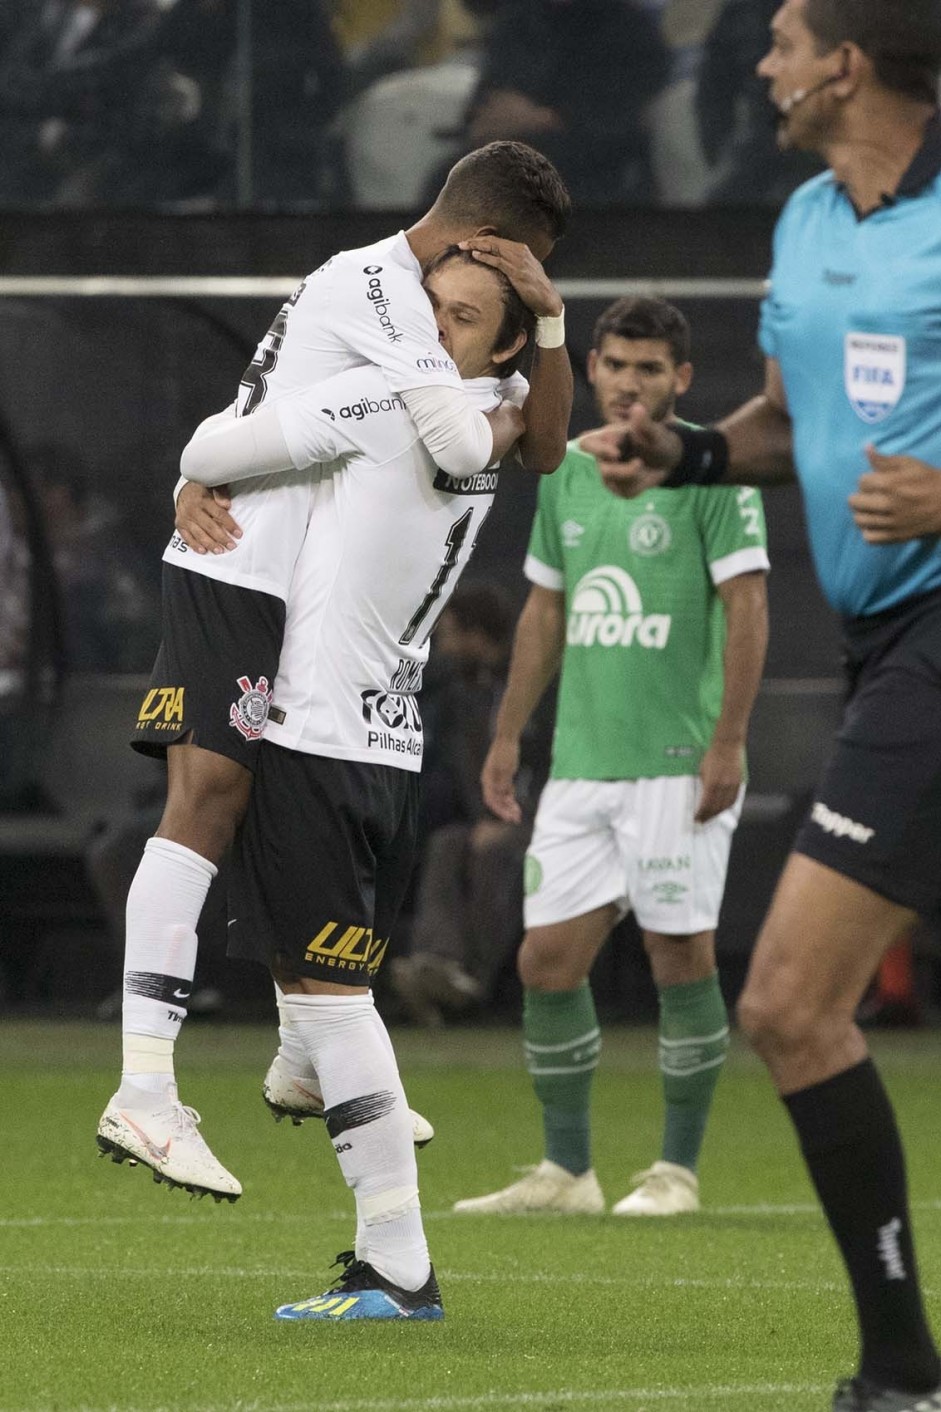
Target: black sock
[(851, 1145)]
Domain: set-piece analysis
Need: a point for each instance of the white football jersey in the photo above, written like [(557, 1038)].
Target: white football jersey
[(362, 307), (388, 537)]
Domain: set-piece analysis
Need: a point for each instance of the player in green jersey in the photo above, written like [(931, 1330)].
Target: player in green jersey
[(655, 611)]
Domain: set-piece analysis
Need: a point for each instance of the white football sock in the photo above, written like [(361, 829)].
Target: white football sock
[(370, 1127), (291, 1048), (163, 908)]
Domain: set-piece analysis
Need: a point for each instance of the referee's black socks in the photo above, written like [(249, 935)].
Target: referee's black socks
[(851, 1145)]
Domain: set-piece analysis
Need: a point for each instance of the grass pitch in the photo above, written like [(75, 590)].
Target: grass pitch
[(117, 1294)]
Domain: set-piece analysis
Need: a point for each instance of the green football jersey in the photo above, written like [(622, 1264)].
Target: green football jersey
[(641, 683)]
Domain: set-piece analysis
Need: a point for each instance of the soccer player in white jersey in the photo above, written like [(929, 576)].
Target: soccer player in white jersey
[(224, 596), (655, 612), (326, 850)]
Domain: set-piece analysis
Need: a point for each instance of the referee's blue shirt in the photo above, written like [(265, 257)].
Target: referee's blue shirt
[(853, 316)]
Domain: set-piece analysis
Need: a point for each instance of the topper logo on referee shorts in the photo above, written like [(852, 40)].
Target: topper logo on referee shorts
[(249, 715), (838, 825)]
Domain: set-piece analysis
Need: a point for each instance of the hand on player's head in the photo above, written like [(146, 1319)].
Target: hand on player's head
[(521, 268)]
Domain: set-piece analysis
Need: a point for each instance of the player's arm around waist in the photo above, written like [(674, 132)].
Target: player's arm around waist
[(226, 448)]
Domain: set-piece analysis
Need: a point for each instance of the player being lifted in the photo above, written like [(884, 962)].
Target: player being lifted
[(327, 847), (225, 589), (655, 612)]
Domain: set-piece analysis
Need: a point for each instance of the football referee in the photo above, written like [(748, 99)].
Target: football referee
[(851, 327)]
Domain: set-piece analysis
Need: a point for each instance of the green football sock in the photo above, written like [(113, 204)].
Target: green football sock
[(562, 1042), (694, 1037)]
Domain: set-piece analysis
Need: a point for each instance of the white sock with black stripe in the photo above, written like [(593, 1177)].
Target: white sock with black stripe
[(370, 1127), (163, 907)]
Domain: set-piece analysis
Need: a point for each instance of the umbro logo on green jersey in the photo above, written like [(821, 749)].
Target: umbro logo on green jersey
[(607, 611), (572, 533)]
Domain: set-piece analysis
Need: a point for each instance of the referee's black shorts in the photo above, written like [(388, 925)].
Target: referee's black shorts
[(876, 815), (321, 864), (215, 669)]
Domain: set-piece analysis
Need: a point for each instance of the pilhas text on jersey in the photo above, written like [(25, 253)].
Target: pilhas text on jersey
[(380, 303), (385, 740)]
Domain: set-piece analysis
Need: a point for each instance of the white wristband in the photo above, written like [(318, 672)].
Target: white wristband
[(550, 332)]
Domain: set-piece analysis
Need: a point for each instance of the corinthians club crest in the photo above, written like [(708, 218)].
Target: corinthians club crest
[(249, 715)]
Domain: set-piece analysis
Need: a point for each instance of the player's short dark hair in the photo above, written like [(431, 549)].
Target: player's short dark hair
[(510, 186), (639, 316), (901, 37), (517, 317)]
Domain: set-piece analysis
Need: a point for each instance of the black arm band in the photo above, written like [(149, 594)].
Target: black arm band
[(705, 457)]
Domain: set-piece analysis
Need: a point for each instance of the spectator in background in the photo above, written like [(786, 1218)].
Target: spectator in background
[(298, 85), (93, 111), (276, 98), (31, 658), (14, 638), (466, 923), (681, 171), (573, 78), (111, 609), (414, 33), (735, 129)]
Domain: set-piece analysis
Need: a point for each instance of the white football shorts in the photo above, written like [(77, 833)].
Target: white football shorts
[(633, 843)]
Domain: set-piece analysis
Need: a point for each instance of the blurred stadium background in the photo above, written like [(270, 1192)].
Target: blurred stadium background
[(168, 170)]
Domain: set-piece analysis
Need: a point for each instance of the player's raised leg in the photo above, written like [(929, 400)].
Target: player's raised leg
[(205, 712), (291, 1088), (144, 1121)]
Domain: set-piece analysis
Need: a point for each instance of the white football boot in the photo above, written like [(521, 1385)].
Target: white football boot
[(297, 1099), (665, 1189), (163, 1135), (547, 1187)]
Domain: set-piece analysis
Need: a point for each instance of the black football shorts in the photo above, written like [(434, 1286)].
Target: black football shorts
[(321, 864), (876, 814), (215, 669)]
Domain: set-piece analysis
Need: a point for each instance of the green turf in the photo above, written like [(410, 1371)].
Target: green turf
[(119, 1294)]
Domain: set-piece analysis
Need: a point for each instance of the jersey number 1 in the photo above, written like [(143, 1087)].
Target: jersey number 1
[(454, 544)]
